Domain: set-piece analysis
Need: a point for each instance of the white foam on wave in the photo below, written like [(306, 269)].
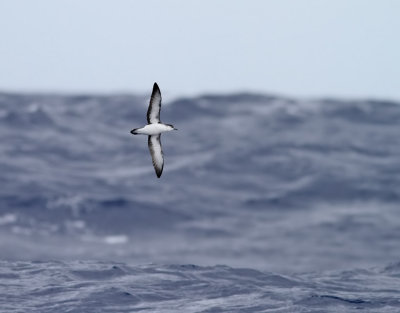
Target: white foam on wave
[(77, 224), (116, 239), (8, 219)]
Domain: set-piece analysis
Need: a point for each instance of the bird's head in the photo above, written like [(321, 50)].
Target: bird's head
[(171, 127)]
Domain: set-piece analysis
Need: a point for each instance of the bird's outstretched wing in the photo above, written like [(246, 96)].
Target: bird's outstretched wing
[(156, 153), (153, 112)]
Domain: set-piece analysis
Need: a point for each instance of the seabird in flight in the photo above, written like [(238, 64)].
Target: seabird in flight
[(153, 129)]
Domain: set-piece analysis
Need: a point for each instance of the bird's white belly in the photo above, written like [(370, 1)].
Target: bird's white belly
[(152, 129)]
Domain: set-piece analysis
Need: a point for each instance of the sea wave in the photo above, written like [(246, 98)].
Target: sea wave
[(270, 182), (91, 286)]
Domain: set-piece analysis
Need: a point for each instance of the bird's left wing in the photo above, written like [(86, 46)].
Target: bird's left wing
[(156, 153), (153, 112)]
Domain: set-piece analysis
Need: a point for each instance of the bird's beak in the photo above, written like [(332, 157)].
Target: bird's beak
[(175, 128)]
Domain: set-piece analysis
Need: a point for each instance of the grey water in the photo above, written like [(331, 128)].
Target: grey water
[(266, 204)]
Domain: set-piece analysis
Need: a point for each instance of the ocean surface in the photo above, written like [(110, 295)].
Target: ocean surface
[(266, 204)]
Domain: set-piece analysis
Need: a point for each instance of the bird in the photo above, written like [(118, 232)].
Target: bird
[(153, 129)]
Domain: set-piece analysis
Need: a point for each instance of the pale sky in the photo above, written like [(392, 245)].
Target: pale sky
[(340, 48)]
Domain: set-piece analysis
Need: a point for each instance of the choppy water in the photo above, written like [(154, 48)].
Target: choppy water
[(281, 186), (109, 287)]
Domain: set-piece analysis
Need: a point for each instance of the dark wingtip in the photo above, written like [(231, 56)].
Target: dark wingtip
[(158, 172)]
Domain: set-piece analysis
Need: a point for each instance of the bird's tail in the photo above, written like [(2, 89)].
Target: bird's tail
[(133, 131)]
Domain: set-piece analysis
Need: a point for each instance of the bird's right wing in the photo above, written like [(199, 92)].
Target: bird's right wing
[(153, 112), (156, 153)]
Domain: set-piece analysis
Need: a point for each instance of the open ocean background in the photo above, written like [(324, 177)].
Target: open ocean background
[(266, 204)]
